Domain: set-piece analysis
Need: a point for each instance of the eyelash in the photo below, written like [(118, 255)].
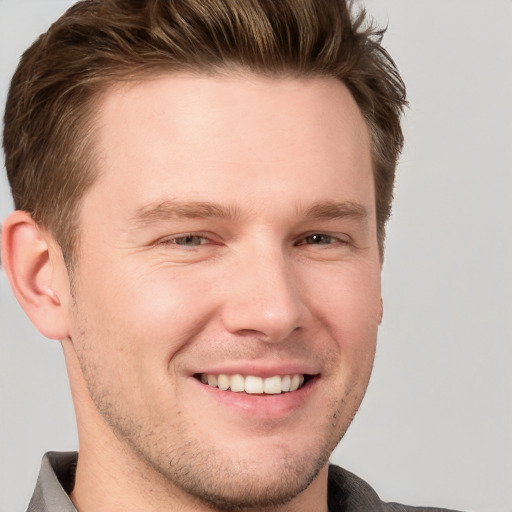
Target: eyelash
[(174, 240), (203, 240), (321, 236)]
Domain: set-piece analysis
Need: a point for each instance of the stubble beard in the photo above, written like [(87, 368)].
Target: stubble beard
[(202, 472)]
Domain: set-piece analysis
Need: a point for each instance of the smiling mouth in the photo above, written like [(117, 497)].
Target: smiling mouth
[(254, 385)]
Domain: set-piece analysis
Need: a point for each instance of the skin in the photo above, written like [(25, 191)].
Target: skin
[(281, 275)]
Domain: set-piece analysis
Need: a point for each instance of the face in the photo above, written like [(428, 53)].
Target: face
[(229, 240)]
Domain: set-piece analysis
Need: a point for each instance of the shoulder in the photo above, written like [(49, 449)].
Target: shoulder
[(349, 493)]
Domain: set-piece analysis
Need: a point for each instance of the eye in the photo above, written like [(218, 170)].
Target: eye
[(187, 240), (319, 239)]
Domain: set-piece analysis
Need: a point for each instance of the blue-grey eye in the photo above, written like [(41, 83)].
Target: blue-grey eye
[(318, 239), (189, 240)]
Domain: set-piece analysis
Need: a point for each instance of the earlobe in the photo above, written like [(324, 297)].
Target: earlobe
[(34, 266)]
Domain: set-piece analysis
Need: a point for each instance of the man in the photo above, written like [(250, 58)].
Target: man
[(201, 192)]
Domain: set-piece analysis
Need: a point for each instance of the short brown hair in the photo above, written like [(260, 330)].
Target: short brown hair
[(49, 116)]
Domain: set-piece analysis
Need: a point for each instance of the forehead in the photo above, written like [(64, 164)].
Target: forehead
[(231, 137)]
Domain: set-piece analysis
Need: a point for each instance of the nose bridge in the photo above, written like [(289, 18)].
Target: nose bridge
[(264, 296)]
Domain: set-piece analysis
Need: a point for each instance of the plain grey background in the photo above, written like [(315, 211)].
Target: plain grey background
[(436, 424)]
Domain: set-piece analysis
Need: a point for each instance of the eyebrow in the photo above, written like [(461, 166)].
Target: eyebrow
[(166, 210), (171, 209), (326, 210)]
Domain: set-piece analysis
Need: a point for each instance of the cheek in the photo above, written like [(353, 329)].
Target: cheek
[(347, 302), (148, 315), (127, 328), (348, 297)]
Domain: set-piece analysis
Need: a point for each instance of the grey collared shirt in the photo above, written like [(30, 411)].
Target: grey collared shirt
[(55, 481), (347, 492)]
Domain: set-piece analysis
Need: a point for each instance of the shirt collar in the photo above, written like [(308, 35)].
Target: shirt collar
[(55, 481)]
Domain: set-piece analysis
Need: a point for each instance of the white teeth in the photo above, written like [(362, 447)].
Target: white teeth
[(252, 384), (237, 383), (272, 385), (295, 383), (223, 382)]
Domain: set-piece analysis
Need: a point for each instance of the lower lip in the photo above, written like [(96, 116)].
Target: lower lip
[(263, 406)]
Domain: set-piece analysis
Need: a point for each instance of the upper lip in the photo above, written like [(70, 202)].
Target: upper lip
[(260, 369)]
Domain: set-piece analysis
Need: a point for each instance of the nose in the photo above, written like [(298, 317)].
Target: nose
[(263, 297)]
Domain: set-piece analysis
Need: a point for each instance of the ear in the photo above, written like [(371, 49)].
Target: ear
[(35, 268)]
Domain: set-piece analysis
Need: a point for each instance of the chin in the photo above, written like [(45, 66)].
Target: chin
[(243, 486)]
